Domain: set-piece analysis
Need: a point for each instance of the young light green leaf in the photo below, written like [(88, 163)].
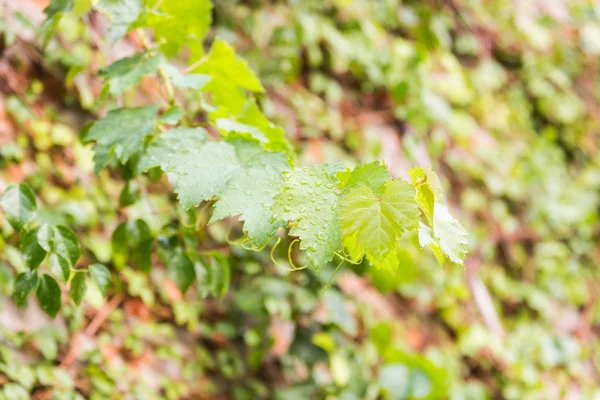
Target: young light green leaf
[(33, 253), (378, 222), (129, 71), (25, 284), (48, 295), (18, 204), (229, 74), (180, 269), (426, 238), (425, 195), (310, 200), (181, 22), (122, 15), (78, 286), (101, 277), (451, 235), (252, 115), (373, 175), (121, 134)]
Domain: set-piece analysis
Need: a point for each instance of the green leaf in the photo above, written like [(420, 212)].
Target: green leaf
[(53, 12), (18, 204), (426, 238), (129, 194), (101, 277), (310, 200), (122, 15), (378, 222), (61, 241), (451, 236), (181, 269), (188, 81), (251, 193), (373, 175), (171, 116), (425, 195), (49, 295), (253, 116), (60, 267), (33, 253), (78, 286), (229, 126), (200, 169), (128, 72), (132, 238), (25, 284), (181, 22), (121, 134), (229, 75)]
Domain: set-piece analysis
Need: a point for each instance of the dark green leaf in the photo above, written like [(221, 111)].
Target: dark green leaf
[(101, 277), (18, 204), (181, 269), (25, 284), (61, 241), (78, 286), (60, 267), (33, 253), (48, 295)]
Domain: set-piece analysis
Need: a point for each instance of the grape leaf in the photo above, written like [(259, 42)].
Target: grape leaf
[(275, 135), (187, 81), (128, 72), (200, 169), (180, 22), (25, 284), (378, 222), (229, 126), (224, 65), (18, 204), (101, 277), (229, 75), (310, 200), (426, 238), (374, 175), (78, 287), (33, 253), (251, 193), (449, 232), (171, 116), (48, 295), (425, 196), (123, 14), (121, 134)]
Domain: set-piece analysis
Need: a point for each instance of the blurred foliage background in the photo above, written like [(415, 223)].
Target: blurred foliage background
[(500, 97)]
